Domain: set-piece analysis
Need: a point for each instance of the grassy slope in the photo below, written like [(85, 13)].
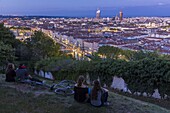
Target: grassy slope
[(13, 101), (17, 100)]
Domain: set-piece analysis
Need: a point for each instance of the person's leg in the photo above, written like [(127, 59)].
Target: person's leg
[(104, 97), (105, 94), (36, 80)]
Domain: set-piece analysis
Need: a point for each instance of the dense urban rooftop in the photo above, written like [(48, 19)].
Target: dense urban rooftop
[(139, 33)]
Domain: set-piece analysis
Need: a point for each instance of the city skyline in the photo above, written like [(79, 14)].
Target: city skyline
[(85, 8)]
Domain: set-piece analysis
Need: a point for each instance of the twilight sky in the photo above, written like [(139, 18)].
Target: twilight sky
[(84, 7)]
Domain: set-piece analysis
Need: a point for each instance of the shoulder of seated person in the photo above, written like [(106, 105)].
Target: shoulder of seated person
[(106, 90), (83, 86)]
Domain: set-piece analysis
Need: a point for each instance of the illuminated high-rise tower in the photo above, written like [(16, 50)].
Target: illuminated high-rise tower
[(121, 15), (98, 14)]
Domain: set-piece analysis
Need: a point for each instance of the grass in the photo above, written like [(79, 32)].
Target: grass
[(13, 101), (25, 100), (159, 102)]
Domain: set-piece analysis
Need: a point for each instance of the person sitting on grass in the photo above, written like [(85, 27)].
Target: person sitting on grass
[(81, 90), (22, 75), (98, 95), (10, 73)]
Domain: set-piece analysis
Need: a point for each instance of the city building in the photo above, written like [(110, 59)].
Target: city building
[(121, 15), (98, 14)]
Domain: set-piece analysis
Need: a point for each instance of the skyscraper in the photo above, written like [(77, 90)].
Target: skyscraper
[(98, 14), (121, 15)]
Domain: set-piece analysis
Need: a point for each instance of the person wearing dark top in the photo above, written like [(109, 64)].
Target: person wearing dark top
[(98, 95), (10, 73), (23, 75), (81, 90)]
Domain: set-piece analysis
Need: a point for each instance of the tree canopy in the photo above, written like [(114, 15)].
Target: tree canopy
[(42, 46), (39, 46), (7, 48), (6, 53), (129, 55)]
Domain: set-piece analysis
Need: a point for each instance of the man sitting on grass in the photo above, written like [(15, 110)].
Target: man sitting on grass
[(22, 75)]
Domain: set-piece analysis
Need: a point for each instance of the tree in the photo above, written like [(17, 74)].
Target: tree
[(6, 35), (23, 51), (139, 55), (110, 52), (7, 53), (42, 46), (7, 42)]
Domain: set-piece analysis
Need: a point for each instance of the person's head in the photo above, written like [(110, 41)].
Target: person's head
[(22, 66), (97, 85), (95, 89), (80, 81), (10, 66)]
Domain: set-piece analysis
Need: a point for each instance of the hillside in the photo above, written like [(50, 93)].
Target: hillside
[(22, 98)]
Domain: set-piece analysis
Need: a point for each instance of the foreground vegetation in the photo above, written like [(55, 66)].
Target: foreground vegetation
[(28, 51), (140, 74)]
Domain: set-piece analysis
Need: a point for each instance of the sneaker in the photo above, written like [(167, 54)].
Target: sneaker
[(106, 103), (43, 82)]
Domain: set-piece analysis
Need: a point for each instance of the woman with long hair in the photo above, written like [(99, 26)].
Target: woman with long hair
[(80, 82), (10, 73), (99, 95), (81, 90)]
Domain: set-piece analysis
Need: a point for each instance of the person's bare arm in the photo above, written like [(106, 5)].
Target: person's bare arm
[(29, 76)]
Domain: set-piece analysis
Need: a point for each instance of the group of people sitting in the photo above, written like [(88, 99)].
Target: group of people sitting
[(20, 75), (97, 96)]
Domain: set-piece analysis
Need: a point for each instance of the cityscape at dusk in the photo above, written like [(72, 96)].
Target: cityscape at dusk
[(85, 56)]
